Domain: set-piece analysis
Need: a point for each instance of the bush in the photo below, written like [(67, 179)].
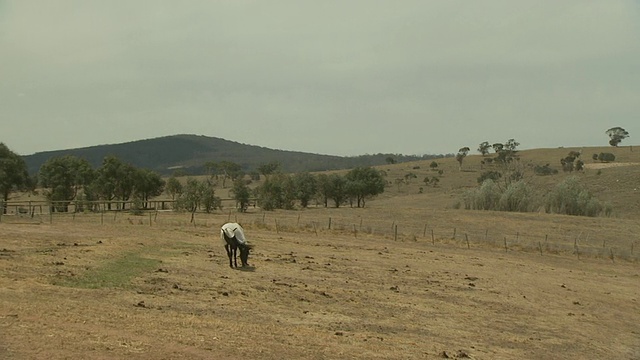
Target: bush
[(606, 157), (571, 198), (489, 175), (486, 197), (544, 170), (517, 197)]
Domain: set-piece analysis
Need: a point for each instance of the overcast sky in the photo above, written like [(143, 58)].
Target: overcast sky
[(331, 77)]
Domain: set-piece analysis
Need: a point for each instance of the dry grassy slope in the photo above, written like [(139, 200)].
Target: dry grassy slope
[(618, 185)]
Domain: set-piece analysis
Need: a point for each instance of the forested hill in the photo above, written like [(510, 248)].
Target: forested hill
[(191, 152)]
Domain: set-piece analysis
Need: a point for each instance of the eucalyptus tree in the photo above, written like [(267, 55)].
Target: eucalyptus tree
[(114, 180), (147, 184), (13, 173), (363, 183), (616, 135), (306, 187), (269, 168), (242, 194), (63, 177), (277, 192), (173, 187), (338, 189)]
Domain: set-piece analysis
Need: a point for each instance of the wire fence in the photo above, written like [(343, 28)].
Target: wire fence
[(613, 242)]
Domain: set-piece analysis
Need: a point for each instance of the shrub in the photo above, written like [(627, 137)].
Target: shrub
[(517, 197), (486, 197), (606, 157), (489, 175), (544, 170), (571, 198)]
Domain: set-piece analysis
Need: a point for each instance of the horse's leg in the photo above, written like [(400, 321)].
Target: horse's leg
[(235, 256), (229, 254)]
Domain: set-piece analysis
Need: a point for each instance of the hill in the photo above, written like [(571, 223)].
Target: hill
[(191, 152)]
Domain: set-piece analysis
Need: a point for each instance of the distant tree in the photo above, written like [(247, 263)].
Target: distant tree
[(277, 192), (191, 196), (364, 182), (570, 162), (433, 165), (229, 170), (269, 168), (511, 145), (198, 194), (114, 180), (616, 135), (505, 154), (212, 168), (462, 153), (147, 184), (13, 174), (63, 177), (483, 148), (173, 187), (390, 160), (241, 193), (338, 189), (306, 186), (323, 188)]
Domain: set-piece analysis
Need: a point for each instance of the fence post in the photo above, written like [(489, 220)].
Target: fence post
[(329, 223), (395, 233), (433, 238), (505, 244), (540, 247), (276, 221), (424, 232), (467, 238), (454, 233)]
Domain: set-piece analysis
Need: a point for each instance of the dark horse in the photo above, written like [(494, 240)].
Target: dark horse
[(232, 244)]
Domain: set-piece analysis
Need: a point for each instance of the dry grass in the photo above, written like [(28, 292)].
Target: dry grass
[(332, 295)]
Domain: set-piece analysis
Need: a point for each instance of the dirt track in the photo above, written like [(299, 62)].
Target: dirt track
[(330, 296)]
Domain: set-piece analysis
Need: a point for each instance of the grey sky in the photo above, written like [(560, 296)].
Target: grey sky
[(330, 77)]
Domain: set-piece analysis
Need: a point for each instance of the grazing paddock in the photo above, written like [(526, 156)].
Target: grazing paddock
[(147, 288)]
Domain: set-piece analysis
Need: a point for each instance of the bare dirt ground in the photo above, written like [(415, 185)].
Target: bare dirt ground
[(78, 290)]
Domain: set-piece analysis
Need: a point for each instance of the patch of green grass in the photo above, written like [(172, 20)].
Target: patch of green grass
[(114, 274)]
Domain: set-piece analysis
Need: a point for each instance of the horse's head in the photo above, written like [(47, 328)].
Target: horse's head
[(244, 253)]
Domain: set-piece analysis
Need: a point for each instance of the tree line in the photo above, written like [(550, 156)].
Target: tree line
[(68, 178), (281, 191)]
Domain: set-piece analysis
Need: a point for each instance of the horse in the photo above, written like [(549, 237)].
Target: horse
[(232, 235)]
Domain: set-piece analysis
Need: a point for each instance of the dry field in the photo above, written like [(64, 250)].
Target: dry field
[(142, 288), (408, 277)]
